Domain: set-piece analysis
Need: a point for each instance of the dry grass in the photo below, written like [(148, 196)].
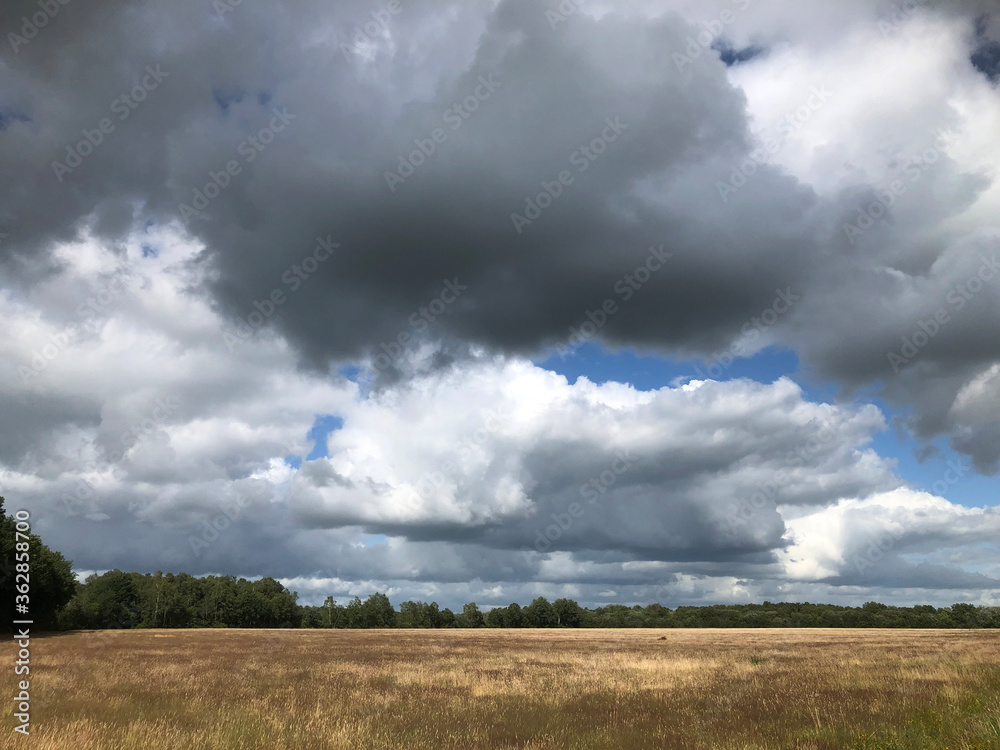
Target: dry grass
[(712, 689)]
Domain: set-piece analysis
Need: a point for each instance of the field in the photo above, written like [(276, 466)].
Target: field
[(711, 689)]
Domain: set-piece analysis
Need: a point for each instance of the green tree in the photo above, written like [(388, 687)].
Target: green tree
[(376, 612), (354, 613), (963, 615), (333, 614), (515, 616), (49, 575), (568, 613), (312, 617), (413, 615), (496, 617), (471, 617), (540, 614), (107, 601), (167, 601), (252, 609)]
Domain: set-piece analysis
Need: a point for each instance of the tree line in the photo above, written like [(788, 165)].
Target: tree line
[(165, 600), (117, 599)]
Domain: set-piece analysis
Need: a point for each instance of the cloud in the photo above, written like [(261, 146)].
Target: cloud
[(900, 538), (656, 473), (686, 126), (216, 158)]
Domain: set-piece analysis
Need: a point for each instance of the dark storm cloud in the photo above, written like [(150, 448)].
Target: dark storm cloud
[(550, 99), (986, 56), (317, 109), (489, 180), (898, 573), (30, 421), (732, 56)]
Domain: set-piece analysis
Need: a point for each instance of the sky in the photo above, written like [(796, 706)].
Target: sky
[(675, 301)]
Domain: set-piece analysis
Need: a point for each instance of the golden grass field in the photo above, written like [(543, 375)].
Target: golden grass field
[(712, 689)]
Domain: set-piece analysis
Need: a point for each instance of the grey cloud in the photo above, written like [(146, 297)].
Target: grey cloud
[(353, 113)]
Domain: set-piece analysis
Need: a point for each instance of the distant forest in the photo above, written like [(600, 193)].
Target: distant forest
[(134, 600)]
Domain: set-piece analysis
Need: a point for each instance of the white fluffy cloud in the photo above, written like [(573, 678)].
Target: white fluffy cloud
[(488, 478), (463, 470)]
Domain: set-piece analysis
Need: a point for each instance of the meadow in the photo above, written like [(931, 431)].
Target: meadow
[(489, 688)]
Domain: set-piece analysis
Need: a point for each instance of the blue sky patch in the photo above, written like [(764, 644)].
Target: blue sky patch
[(941, 472), (321, 429), (10, 116)]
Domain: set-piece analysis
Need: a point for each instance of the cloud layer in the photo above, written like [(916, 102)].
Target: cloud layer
[(213, 212)]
